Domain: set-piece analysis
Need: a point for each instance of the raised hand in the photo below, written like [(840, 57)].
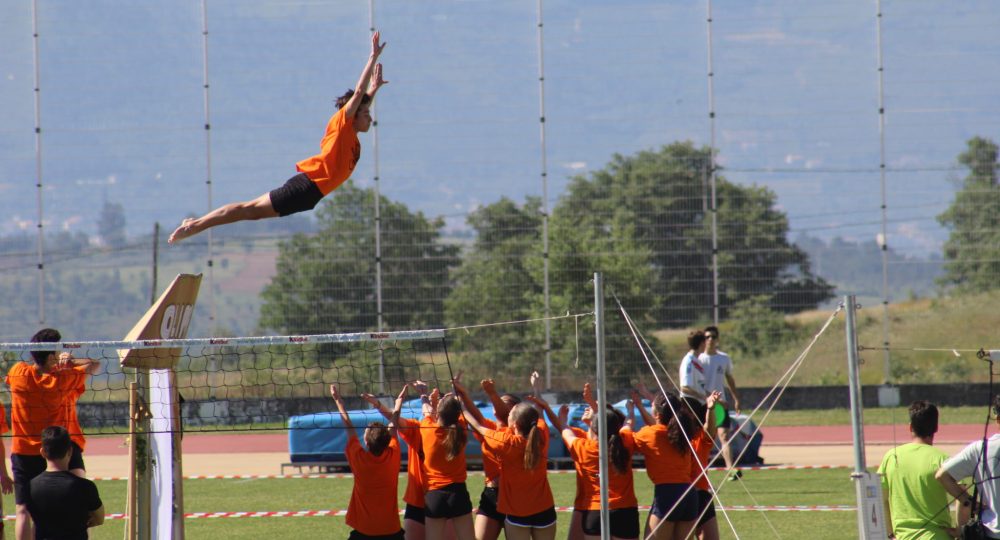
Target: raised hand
[(334, 393), (376, 47), (588, 415), (419, 386), (488, 386), (376, 81), (536, 381), (403, 393), (563, 414), (712, 399), (371, 399)]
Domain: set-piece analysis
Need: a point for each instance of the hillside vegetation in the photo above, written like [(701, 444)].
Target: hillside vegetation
[(962, 323)]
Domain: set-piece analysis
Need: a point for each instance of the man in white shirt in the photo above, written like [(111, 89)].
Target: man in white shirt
[(985, 473), (718, 372), (692, 374)]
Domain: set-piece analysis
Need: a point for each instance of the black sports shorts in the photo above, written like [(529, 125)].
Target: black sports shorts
[(355, 535), (624, 522), (299, 194), (414, 513), (488, 504), (25, 468), (448, 502), (705, 500), (543, 519), (666, 495)]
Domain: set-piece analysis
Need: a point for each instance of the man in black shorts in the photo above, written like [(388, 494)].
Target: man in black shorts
[(62, 504)]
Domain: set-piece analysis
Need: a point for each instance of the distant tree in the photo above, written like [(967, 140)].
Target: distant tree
[(757, 328), (111, 225), (494, 284), (972, 251), (326, 282), (662, 197)]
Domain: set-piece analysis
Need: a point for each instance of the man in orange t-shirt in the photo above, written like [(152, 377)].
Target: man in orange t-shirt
[(340, 151), (373, 512), (39, 394)]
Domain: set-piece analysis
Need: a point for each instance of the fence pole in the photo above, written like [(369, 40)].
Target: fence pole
[(156, 253), (38, 165), (713, 208), (545, 197), (602, 401)]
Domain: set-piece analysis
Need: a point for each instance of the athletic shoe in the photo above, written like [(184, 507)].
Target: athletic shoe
[(736, 475)]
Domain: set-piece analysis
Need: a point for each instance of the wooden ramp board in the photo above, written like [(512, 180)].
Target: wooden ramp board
[(168, 318)]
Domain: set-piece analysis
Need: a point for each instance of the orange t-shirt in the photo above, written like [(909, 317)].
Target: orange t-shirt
[(373, 510), (339, 152), (703, 448), (491, 461), (664, 463), (586, 454), (438, 470), (37, 402), (72, 422), (409, 430), (523, 492)]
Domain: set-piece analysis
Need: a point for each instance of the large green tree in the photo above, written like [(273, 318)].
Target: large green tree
[(972, 251), (326, 282), (664, 198)]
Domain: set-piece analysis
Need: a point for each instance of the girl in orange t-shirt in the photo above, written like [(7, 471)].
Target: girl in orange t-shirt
[(668, 464), (318, 175), (409, 430), (707, 527), (373, 512), (489, 520), (443, 438), (525, 495), (584, 448)]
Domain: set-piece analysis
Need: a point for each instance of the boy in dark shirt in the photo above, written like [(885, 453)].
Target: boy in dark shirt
[(62, 505)]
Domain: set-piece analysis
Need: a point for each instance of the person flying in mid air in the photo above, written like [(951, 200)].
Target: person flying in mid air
[(340, 151)]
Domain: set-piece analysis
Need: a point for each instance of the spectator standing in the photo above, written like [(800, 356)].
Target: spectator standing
[(718, 371), (916, 505), (62, 505)]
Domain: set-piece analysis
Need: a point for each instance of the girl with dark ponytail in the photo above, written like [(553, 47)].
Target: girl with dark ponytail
[(584, 448), (664, 443), (447, 499), (525, 496)]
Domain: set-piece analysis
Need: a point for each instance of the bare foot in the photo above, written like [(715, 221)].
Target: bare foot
[(182, 232)]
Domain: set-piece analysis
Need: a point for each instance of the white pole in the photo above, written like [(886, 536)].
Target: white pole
[(208, 161), (38, 166), (711, 170), (883, 239), (545, 198), (378, 222), (602, 400), (867, 486)]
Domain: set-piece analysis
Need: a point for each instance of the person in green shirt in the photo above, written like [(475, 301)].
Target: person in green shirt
[(916, 504)]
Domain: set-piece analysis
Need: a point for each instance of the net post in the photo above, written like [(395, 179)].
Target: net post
[(602, 418), (871, 517)]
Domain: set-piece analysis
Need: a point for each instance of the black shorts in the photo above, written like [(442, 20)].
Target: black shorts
[(297, 195), (624, 522), (666, 495), (448, 502), (543, 519), (413, 513), (355, 535), (488, 504), (25, 468), (705, 501)]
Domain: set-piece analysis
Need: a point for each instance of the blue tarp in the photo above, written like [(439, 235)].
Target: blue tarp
[(322, 436)]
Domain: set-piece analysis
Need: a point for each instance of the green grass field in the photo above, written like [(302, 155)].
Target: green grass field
[(779, 488)]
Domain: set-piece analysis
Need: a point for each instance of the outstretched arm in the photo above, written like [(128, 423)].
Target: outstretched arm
[(710, 402), (351, 107), (467, 402), (646, 417), (553, 419), (500, 409), (343, 412), (396, 409)]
